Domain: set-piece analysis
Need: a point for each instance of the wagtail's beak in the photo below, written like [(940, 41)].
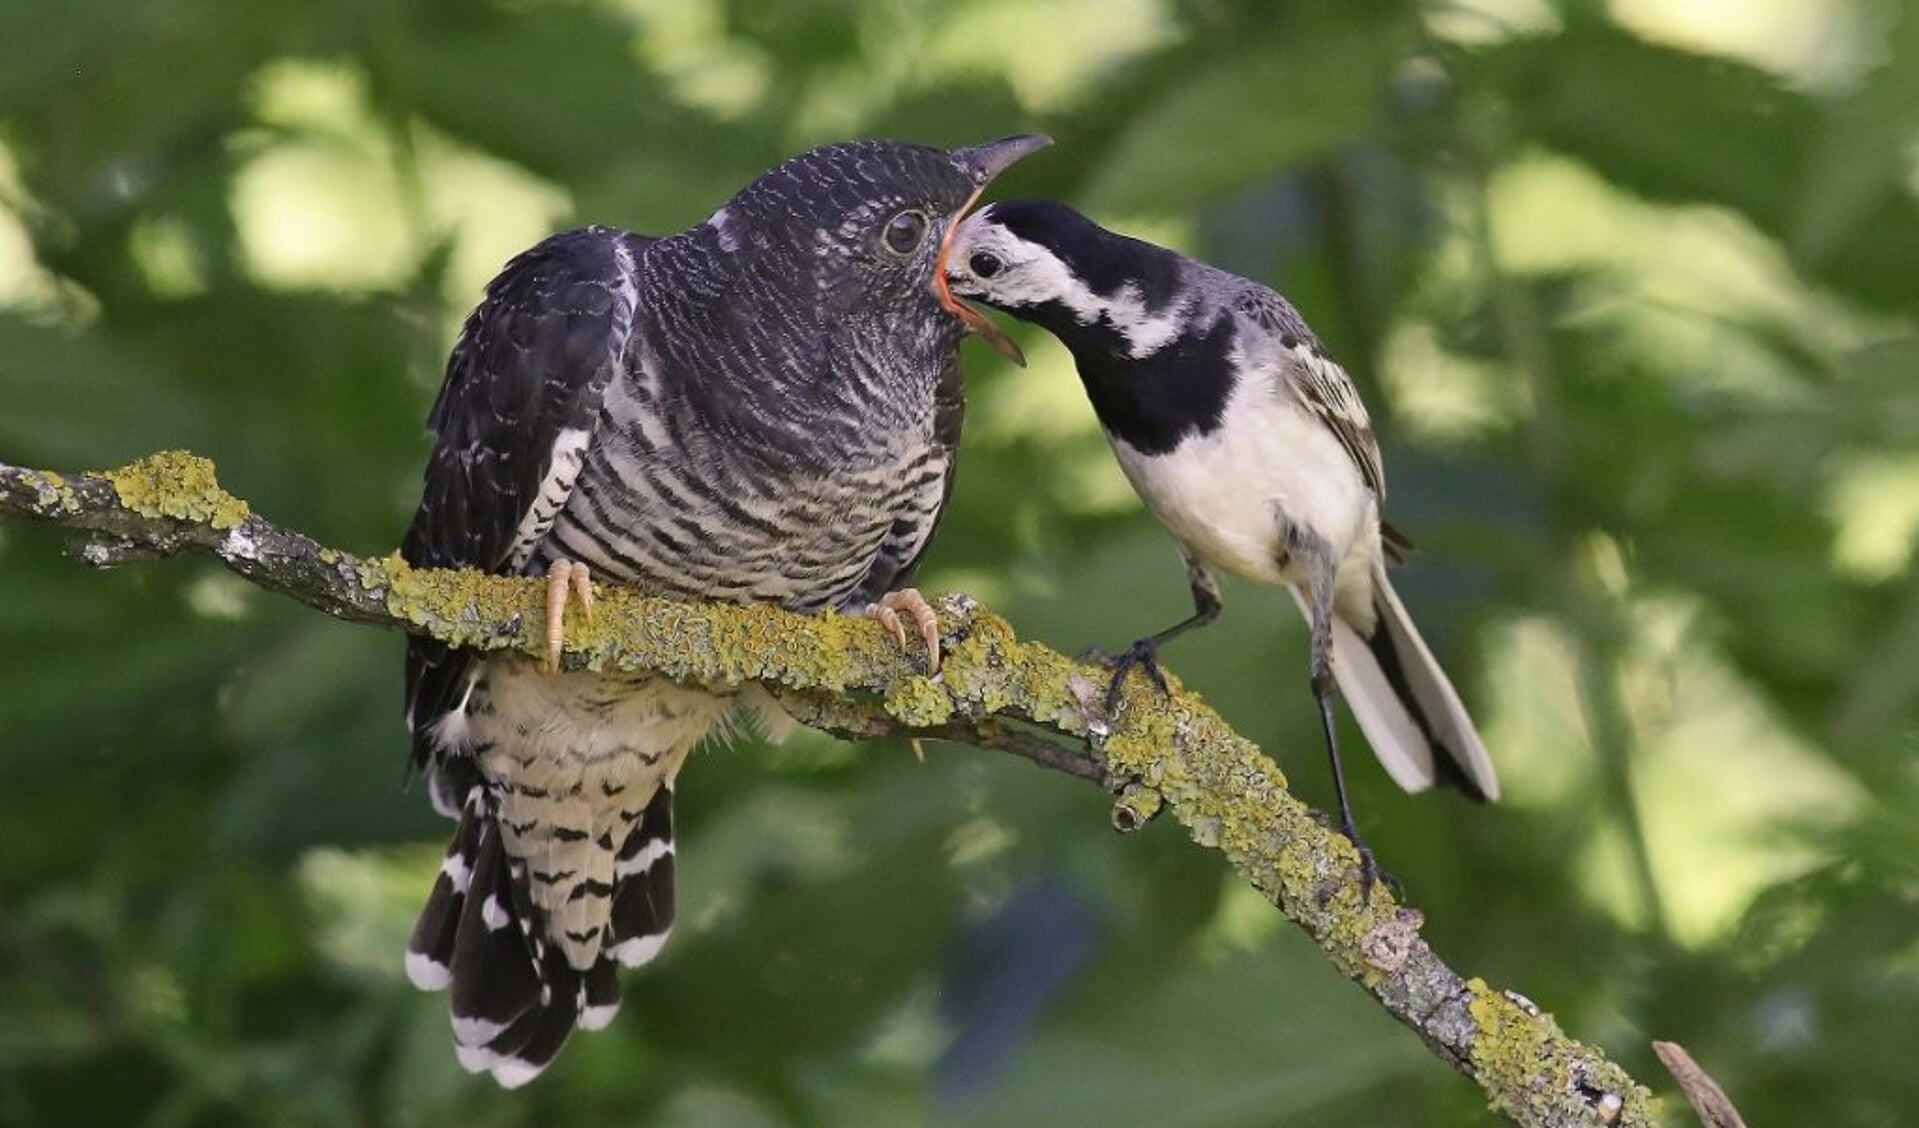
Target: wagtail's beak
[(982, 163)]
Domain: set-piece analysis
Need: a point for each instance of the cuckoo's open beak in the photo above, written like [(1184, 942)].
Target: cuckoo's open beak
[(982, 163)]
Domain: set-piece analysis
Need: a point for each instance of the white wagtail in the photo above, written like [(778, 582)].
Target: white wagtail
[(1251, 446)]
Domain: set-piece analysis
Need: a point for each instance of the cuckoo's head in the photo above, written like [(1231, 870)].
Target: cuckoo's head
[(856, 230)]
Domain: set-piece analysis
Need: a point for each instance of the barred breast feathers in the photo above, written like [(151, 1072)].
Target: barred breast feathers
[(677, 497)]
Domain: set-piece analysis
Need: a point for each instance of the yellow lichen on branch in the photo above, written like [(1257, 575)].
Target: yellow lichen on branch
[(51, 490), (1514, 1044), (178, 485), (845, 675)]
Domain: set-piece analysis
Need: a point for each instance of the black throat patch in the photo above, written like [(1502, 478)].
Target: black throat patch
[(1156, 401), (1151, 402)]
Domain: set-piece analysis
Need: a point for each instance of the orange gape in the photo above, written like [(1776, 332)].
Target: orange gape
[(973, 319)]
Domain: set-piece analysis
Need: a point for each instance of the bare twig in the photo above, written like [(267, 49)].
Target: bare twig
[(842, 675), (1702, 1092)]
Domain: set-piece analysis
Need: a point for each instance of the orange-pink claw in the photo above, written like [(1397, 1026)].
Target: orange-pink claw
[(889, 619), (909, 600), (582, 584), (564, 580)]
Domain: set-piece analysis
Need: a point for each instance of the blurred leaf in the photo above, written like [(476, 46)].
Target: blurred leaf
[(1861, 165), (1200, 137), (1725, 129), (1726, 133), (127, 399), (1251, 1040)]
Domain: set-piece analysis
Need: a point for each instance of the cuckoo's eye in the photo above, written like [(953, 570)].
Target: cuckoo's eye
[(904, 232), (984, 264)]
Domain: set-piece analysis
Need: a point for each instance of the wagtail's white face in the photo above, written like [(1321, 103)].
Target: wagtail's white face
[(1045, 263), (991, 262)]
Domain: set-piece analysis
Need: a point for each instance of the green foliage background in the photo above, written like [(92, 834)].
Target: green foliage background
[(1631, 288)]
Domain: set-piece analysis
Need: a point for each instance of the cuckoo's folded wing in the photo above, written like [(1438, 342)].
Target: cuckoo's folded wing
[(514, 418)]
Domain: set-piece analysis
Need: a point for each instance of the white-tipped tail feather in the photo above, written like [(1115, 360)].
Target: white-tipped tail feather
[(1404, 703), (1391, 731)]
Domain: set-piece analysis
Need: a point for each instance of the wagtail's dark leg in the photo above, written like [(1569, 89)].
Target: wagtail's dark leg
[(1144, 653), (1320, 586)]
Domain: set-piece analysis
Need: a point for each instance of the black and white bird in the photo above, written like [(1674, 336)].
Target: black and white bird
[(764, 407), (1251, 446)]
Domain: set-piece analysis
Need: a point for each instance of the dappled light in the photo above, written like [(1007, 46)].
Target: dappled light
[(1629, 288)]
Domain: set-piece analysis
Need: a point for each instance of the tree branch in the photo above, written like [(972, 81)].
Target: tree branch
[(1709, 1102), (844, 676)]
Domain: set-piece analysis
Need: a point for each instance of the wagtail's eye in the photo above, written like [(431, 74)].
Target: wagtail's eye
[(984, 264), (904, 232)]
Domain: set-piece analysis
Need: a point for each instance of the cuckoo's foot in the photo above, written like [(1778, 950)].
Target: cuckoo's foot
[(908, 600), (565, 580)]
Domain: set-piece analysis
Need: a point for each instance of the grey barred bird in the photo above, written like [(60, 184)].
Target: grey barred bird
[(764, 407), (1252, 447)]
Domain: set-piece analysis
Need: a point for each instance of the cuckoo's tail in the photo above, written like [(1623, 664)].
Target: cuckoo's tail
[(1405, 704), (514, 995)]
